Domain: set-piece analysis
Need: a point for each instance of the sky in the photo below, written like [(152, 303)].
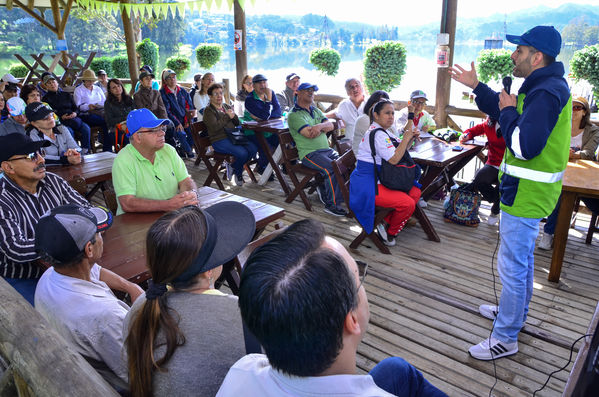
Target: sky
[(394, 12)]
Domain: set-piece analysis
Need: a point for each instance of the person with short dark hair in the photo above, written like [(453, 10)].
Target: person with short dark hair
[(184, 334), (102, 81), (75, 294), (65, 108), (303, 297), (218, 116), (536, 126), (10, 91), (286, 97), (27, 192), (308, 127), (154, 84), (147, 97)]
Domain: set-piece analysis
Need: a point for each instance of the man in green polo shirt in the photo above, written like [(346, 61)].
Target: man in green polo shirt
[(148, 175), (308, 127)]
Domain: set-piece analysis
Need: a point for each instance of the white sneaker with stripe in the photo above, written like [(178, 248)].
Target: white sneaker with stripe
[(488, 311), (491, 348)]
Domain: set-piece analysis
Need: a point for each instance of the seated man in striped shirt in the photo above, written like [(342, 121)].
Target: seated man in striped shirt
[(26, 193)]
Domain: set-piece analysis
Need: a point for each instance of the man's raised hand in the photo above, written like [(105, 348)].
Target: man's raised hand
[(466, 77)]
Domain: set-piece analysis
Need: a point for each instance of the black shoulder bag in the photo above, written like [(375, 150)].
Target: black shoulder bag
[(400, 176)]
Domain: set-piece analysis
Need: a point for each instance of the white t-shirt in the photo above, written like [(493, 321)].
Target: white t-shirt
[(382, 145), (86, 314), (425, 120), (349, 113), (576, 141), (252, 376), (200, 102), (362, 125)]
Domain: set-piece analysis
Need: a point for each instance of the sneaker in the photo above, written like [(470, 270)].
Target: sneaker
[(422, 203), (239, 180), (382, 229), (190, 155), (229, 171), (331, 209), (389, 241), (491, 348), (546, 242), (488, 311), (492, 220), (320, 191)]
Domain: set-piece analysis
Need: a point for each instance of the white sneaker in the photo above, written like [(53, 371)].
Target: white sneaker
[(422, 203), (488, 311), (382, 229), (546, 242), (491, 348), (492, 220)]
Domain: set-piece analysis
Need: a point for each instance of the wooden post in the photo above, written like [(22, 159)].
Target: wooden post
[(448, 25), (227, 91), (130, 43), (241, 61)]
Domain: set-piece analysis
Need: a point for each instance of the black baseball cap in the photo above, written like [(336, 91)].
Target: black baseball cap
[(37, 111), (15, 144), (259, 77)]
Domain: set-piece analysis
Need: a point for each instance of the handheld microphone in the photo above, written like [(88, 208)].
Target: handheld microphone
[(507, 84)]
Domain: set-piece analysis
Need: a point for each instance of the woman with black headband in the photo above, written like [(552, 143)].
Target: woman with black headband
[(184, 335)]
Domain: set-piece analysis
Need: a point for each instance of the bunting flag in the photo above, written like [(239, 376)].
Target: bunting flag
[(163, 9)]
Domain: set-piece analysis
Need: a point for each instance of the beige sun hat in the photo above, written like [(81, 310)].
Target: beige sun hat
[(88, 74)]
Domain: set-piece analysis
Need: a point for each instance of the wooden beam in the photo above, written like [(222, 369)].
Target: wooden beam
[(32, 12), (465, 112), (65, 18), (241, 61), (55, 14), (130, 43), (448, 25)]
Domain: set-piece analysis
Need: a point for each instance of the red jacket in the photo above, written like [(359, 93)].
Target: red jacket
[(496, 145)]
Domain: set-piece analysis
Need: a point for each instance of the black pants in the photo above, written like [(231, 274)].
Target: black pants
[(486, 182)]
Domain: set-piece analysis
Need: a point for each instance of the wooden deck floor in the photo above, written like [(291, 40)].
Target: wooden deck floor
[(424, 300)]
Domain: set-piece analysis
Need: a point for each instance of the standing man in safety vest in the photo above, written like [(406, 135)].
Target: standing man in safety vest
[(536, 127)]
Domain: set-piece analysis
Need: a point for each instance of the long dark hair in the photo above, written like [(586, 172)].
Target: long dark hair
[(125, 98), (374, 98), (172, 243)]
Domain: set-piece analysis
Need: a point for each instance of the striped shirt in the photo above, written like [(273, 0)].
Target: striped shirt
[(19, 213)]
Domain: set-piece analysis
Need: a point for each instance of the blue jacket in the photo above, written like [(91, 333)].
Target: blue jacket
[(176, 105), (546, 94), (263, 110)]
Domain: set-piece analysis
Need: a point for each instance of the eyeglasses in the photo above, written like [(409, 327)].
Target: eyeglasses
[(156, 130), (419, 102), (362, 269), (577, 108), (31, 156)]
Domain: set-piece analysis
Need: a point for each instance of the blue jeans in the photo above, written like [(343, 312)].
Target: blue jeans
[(77, 124), (242, 153), (400, 378), (515, 264), (98, 121), (321, 160), (24, 286), (273, 142)]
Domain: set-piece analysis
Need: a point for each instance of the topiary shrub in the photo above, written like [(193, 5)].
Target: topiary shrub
[(326, 60), (494, 65), (208, 55), (148, 53), (104, 63), (585, 65), (179, 64), (18, 70), (120, 67), (384, 65)]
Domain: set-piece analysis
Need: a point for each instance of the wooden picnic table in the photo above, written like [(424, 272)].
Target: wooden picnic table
[(580, 179), (124, 242), (440, 162), (95, 169)]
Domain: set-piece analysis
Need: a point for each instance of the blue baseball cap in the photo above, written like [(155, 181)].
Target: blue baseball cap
[(543, 38), (143, 118), (305, 86)]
